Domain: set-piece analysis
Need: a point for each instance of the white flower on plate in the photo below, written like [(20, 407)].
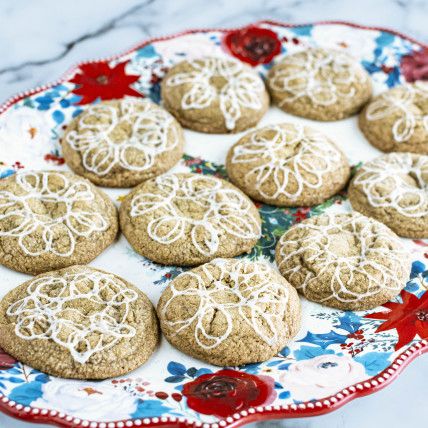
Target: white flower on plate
[(28, 225), (96, 401), (357, 43), (25, 136), (321, 376), (189, 46)]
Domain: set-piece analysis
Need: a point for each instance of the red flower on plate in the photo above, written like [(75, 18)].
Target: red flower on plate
[(228, 391), (6, 361), (409, 318), (99, 80), (253, 45), (415, 65)]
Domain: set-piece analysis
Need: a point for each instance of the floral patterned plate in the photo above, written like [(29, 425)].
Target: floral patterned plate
[(337, 356)]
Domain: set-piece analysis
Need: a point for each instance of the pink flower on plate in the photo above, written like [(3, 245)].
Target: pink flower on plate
[(321, 376)]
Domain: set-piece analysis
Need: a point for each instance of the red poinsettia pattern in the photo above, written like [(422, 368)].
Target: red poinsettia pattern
[(409, 318), (228, 391), (253, 45), (415, 66), (99, 80)]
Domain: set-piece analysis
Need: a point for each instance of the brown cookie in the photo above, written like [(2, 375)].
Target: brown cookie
[(397, 120), (319, 84), (215, 95), (287, 165), (122, 143), (393, 190), (52, 219), (230, 312), (78, 322), (346, 261), (188, 219)]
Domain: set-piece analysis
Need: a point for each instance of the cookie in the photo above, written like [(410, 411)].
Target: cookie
[(346, 261), (319, 84), (214, 95), (397, 120), (229, 312), (78, 322), (122, 143), (393, 190), (52, 219), (188, 219), (287, 165)]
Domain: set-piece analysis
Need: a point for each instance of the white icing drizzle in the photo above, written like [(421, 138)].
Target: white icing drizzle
[(315, 247), (224, 210), (152, 133), (400, 101), (282, 170), (45, 312), (253, 296), (305, 74), (40, 226), (242, 88), (405, 176)]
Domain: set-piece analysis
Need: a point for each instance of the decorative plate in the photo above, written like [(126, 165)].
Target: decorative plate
[(336, 357)]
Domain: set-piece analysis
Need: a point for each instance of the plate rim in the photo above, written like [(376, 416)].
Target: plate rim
[(316, 408)]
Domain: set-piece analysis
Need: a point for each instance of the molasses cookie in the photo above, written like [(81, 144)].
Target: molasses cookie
[(287, 165), (230, 312), (346, 261), (397, 120), (53, 219), (393, 190), (121, 143), (319, 84), (188, 219), (215, 95), (78, 322)]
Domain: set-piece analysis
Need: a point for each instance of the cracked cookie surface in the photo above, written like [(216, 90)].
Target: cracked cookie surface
[(319, 84), (122, 143), (78, 322), (397, 119), (187, 219), (394, 190), (215, 95), (230, 312), (52, 219), (346, 261), (287, 165)]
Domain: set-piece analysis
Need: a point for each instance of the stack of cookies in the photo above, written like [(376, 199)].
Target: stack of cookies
[(72, 320)]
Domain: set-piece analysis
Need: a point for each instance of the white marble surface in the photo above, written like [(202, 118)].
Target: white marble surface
[(39, 40)]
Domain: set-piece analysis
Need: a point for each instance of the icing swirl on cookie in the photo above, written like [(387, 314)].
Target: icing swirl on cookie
[(287, 160), (48, 205), (240, 291), (152, 132), (53, 309), (357, 257), (216, 209), (241, 89), (398, 181), (401, 103), (321, 75)]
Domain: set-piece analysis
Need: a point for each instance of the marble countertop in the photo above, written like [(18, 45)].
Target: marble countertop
[(41, 40)]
